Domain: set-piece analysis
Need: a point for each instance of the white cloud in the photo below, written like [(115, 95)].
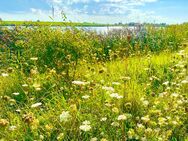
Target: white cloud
[(37, 11), (100, 11), (109, 11)]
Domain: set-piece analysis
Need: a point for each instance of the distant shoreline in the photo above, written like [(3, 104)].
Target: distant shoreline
[(43, 23), (65, 24)]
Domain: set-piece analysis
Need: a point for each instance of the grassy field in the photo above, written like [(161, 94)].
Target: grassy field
[(76, 85), (43, 23)]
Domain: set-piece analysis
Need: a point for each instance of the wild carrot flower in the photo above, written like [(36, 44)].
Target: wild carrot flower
[(4, 74), (85, 126), (86, 122), (103, 139), (116, 83), (122, 117), (41, 137), (166, 83), (79, 82), (148, 130), (162, 120), (24, 85), (174, 94), (85, 96), (145, 118), (104, 119), (34, 58), (37, 86), (116, 95), (36, 105), (184, 82), (65, 116), (12, 128), (108, 88), (145, 103), (16, 94), (115, 124), (93, 139)]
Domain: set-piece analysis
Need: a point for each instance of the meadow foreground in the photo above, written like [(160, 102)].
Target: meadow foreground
[(76, 85)]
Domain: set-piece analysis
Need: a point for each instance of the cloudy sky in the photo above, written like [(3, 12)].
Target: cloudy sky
[(99, 11)]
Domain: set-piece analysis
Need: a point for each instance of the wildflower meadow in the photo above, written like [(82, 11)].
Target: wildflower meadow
[(76, 85)]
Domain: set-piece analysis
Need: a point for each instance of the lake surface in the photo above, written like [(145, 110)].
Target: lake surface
[(106, 29), (102, 29)]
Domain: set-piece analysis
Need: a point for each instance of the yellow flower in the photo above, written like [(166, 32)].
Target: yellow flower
[(115, 110), (103, 139), (145, 118), (3, 122), (60, 137), (34, 58)]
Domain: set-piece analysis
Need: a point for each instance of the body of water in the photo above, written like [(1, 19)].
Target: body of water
[(101, 29)]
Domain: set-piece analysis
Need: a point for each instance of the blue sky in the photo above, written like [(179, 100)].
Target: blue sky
[(99, 11)]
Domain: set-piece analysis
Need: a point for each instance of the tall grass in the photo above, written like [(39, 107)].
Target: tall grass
[(77, 85)]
